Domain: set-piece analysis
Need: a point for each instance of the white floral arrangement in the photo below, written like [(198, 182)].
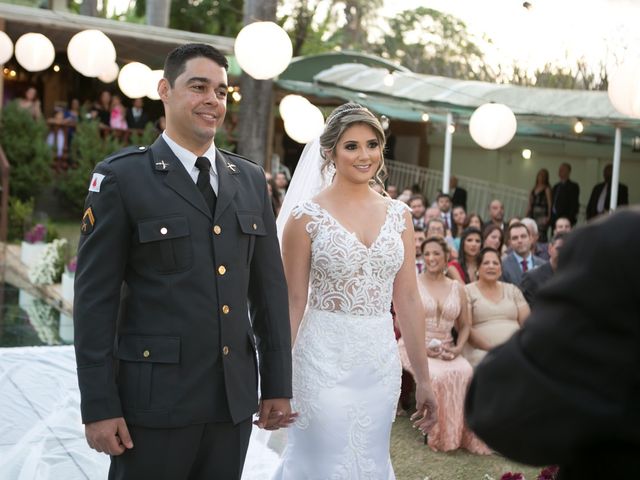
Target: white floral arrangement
[(43, 319), (48, 267)]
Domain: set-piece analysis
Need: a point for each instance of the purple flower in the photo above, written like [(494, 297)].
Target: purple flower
[(36, 234), (72, 265), (512, 476), (549, 473)]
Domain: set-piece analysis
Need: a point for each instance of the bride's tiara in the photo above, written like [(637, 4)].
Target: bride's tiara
[(347, 107)]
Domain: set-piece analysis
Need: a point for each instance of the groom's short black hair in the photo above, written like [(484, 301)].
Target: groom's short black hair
[(174, 65)]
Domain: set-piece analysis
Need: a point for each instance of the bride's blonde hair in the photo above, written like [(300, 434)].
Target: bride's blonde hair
[(339, 121)]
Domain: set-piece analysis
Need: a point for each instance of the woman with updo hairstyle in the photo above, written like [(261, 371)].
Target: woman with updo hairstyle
[(347, 253), (498, 309), (445, 307)]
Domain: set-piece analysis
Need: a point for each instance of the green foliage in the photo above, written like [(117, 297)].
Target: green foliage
[(20, 214), (87, 149), (146, 137), (573, 77), (435, 43), (23, 140)]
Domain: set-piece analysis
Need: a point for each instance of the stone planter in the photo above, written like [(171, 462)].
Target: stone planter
[(67, 286), (30, 252)]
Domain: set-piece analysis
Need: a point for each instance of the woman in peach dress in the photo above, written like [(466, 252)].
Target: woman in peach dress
[(498, 309), (445, 304)]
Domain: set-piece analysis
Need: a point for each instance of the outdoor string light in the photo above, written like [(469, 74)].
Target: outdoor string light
[(492, 125), (91, 52), (578, 127), (263, 50), (132, 79), (6, 48), (34, 52)]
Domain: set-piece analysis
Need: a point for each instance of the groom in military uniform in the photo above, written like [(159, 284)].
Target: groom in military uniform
[(175, 240)]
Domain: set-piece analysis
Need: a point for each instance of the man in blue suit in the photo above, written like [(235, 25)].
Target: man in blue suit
[(520, 260)]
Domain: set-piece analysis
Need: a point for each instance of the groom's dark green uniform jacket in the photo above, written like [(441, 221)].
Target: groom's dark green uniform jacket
[(163, 292)]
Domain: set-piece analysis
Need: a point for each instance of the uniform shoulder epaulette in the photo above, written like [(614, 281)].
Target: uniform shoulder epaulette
[(125, 152), (227, 152)]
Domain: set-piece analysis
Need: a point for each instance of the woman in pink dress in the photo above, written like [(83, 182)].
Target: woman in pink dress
[(445, 304)]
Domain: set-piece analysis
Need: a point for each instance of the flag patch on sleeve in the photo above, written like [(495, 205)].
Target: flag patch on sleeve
[(96, 180)]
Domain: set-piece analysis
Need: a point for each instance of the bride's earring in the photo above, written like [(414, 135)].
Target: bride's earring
[(331, 169)]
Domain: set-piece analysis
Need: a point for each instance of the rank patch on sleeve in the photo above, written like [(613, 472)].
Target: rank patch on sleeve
[(96, 180), (88, 221)]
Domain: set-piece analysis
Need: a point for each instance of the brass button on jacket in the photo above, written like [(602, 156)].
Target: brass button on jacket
[(225, 309), (217, 230), (225, 350), (146, 353), (222, 269)]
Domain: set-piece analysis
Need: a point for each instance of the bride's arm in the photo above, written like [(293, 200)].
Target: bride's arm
[(410, 316), (296, 258)]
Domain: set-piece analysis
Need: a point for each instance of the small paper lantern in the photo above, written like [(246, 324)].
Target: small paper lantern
[(290, 105), (110, 73), (492, 125), (624, 89), (305, 125), (34, 52), (263, 50), (6, 48), (90, 52), (133, 79), (152, 84)]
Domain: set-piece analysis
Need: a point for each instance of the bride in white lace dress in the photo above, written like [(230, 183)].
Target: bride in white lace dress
[(347, 253)]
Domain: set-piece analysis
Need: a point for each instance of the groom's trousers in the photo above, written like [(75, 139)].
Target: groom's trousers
[(210, 451)]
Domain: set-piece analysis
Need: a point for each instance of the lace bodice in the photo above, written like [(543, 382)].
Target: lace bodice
[(439, 319), (347, 276)]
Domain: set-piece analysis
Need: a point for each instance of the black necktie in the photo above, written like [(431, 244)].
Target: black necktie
[(204, 182)]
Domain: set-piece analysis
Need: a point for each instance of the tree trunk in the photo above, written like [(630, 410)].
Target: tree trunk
[(89, 8), (257, 96), (158, 12)]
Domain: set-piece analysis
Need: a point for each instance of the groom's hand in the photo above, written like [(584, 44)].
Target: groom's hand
[(110, 436), (275, 413)]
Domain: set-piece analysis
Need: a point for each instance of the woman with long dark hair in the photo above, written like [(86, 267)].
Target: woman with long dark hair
[(470, 245), (540, 203)]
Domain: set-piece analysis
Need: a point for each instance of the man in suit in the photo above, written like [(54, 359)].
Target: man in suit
[(458, 195), (136, 116), (565, 389), (176, 239), (520, 260), (566, 197), (444, 205), (418, 206), (496, 213), (600, 198), (536, 278)]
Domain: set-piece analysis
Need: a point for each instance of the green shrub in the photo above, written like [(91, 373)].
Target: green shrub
[(87, 149), (23, 140), (20, 213), (147, 137)]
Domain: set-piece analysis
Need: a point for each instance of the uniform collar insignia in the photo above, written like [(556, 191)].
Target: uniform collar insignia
[(162, 165), (233, 170)]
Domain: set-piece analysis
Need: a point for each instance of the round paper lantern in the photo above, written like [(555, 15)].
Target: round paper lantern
[(109, 73), (263, 50), (492, 125), (290, 105), (624, 89), (34, 52), (133, 79), (152, 84), (90, 52), (6, 48), (305, 125)]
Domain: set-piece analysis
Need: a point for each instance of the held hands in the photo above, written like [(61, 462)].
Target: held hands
[(275, 413), (427, 414), (110, 436)]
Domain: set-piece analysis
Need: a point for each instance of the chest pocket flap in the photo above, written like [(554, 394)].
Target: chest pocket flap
[(251, 224), (162, 228)]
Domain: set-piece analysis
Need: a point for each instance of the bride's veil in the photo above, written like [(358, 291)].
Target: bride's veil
[(307, 181)]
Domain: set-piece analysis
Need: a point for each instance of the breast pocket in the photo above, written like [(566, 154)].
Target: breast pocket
[(252, 226), (166, 243)]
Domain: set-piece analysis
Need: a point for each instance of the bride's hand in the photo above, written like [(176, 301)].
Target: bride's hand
[(427, 415)]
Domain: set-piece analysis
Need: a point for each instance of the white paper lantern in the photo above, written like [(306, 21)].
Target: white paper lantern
[(133, 79), (34, 52), (492, 125), (90, 52), (305, 125), (290, 105), (624, 89), (6, 48), (263, 50), (152, 84), (109, 73)]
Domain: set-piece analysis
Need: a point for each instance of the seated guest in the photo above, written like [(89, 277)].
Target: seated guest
[(474, 220), (419, 237), (534, 279), (498, 309), (436, 228), (445, 305), (520, 260), (418, 206), (470, 246), (459, 216), (565, 390), (538, 248), (562, 225), (493, 237), (444, 205)]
